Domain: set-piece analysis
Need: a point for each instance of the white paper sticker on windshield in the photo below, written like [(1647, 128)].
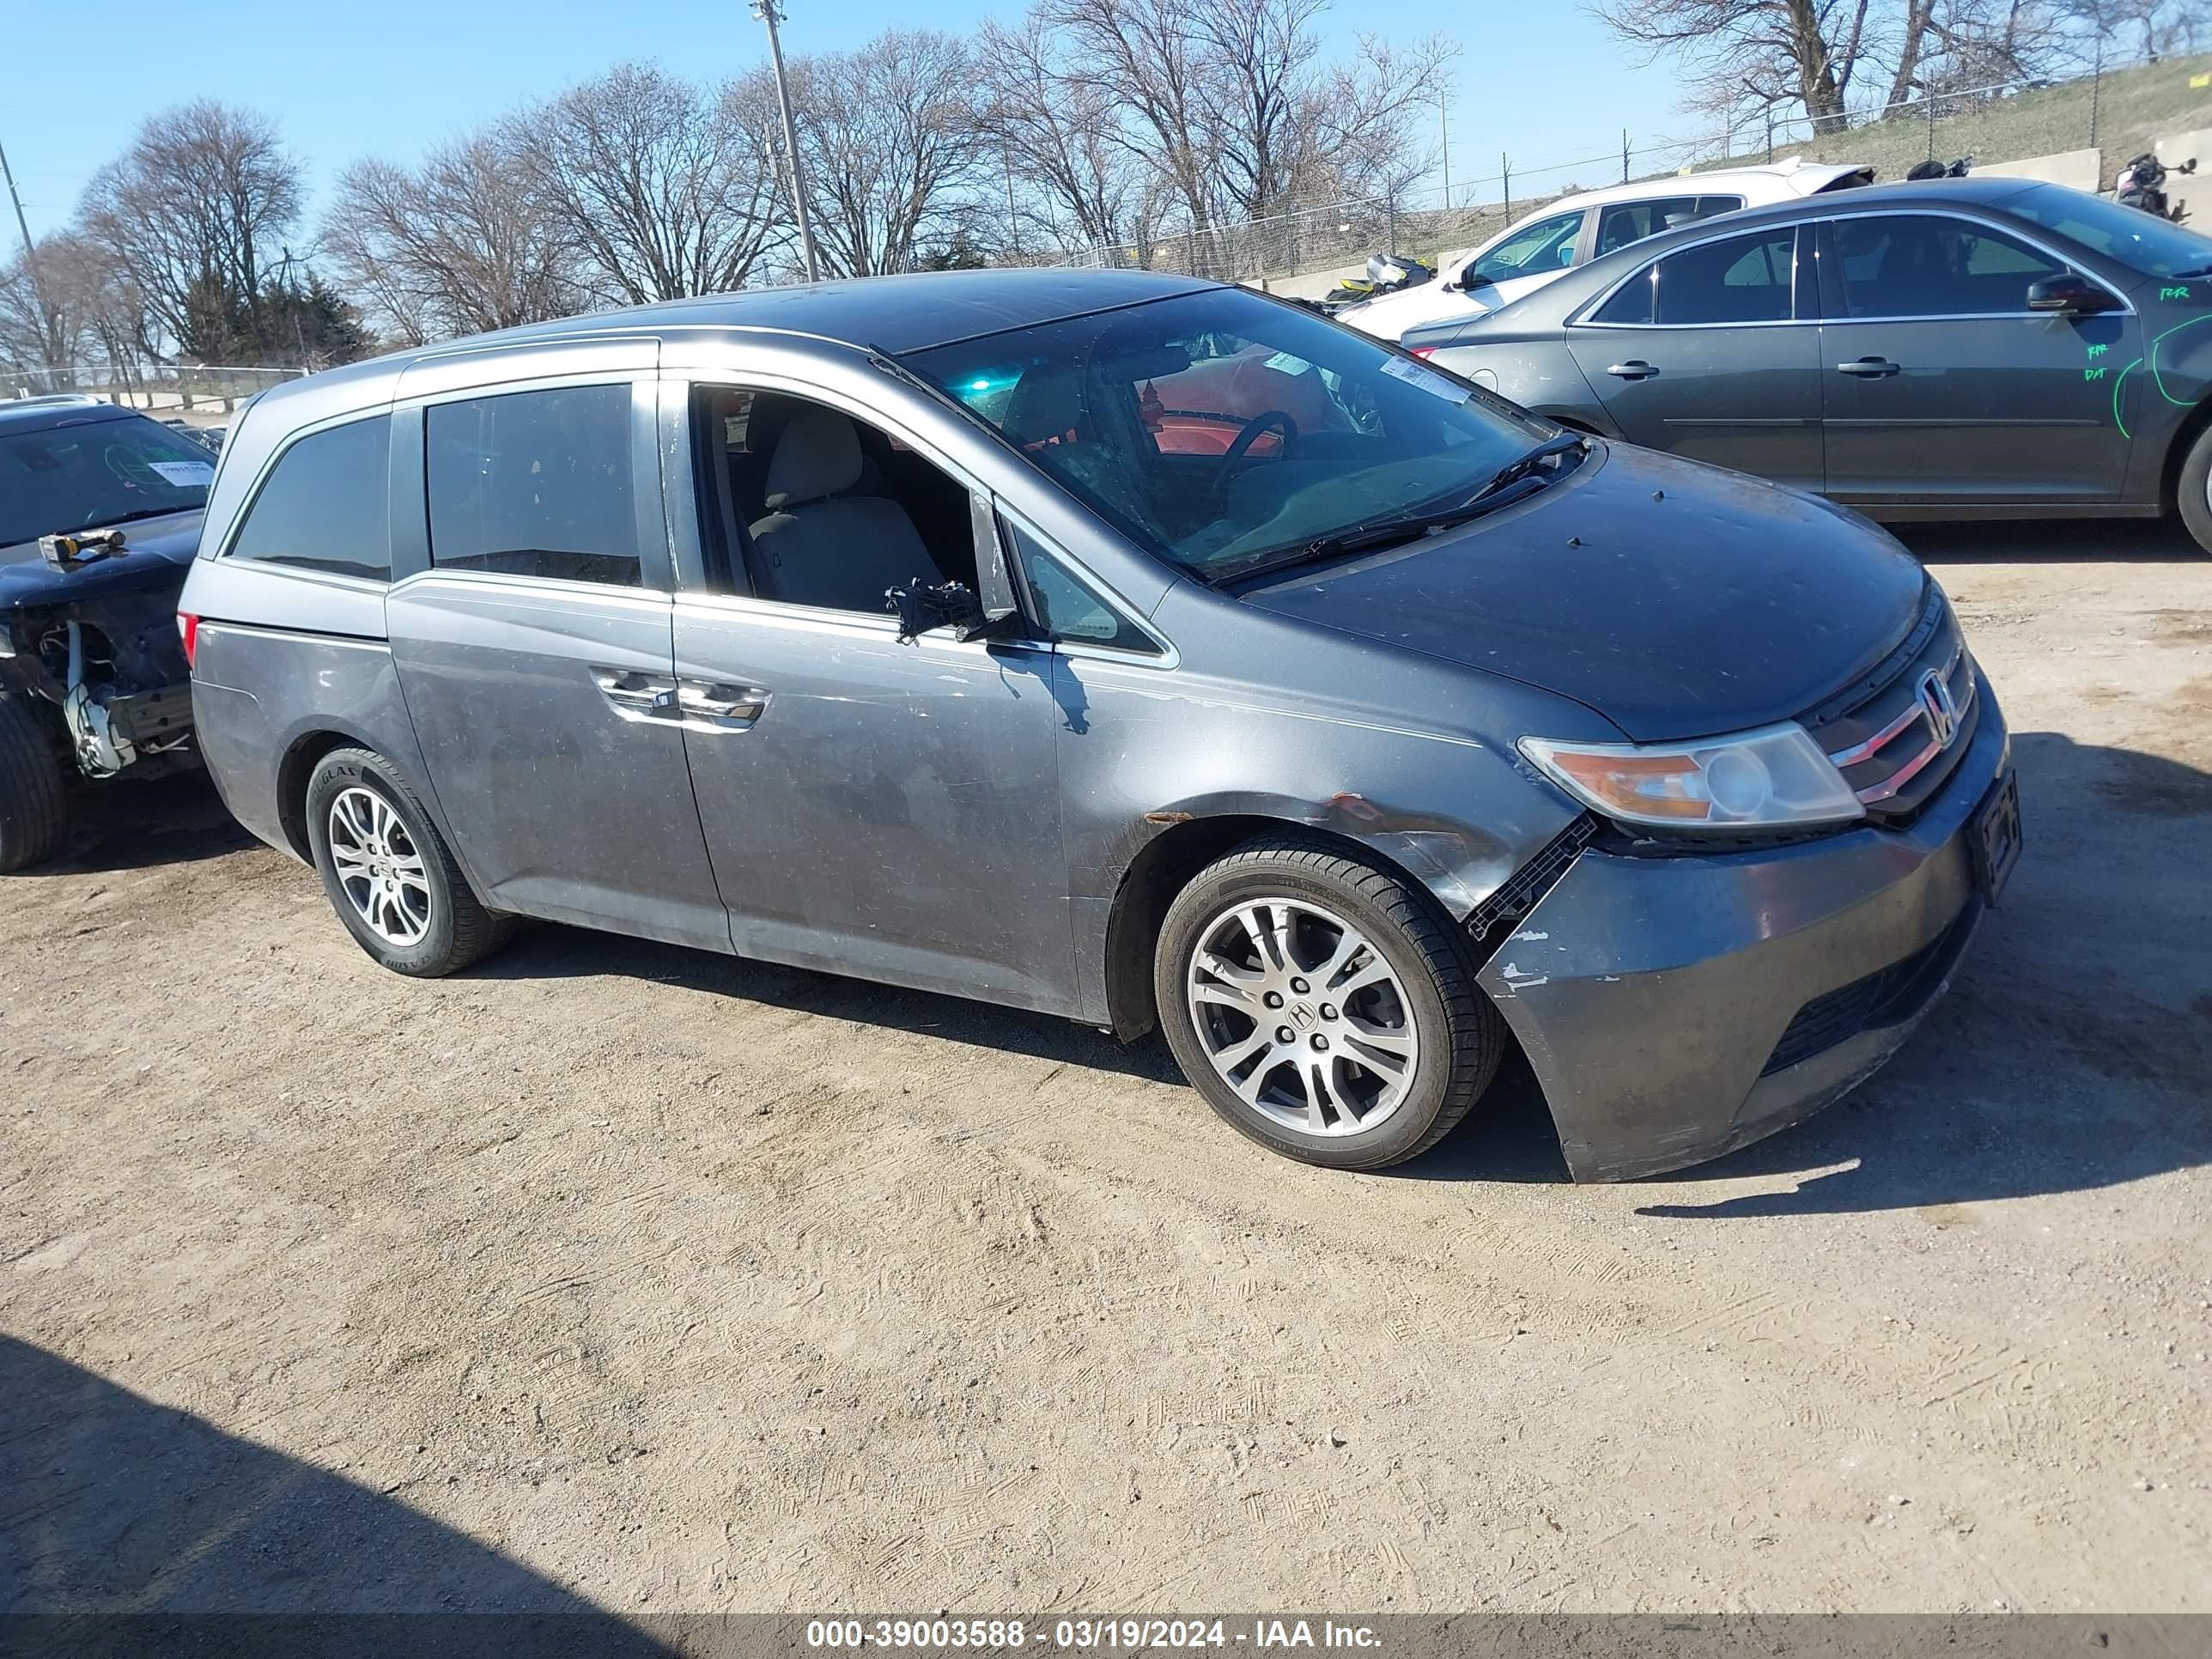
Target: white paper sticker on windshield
[(1427, 379), (1283, 364), (186, 475)]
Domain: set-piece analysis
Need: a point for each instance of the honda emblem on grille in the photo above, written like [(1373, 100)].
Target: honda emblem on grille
[(1940, 707)]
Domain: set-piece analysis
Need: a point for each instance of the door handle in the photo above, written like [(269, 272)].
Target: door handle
[(1871, 368), (728, 707), (1634, 370), (635, 695)]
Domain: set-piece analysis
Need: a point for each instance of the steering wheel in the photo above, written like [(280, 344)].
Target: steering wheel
[(1246, 436), (1250, 432)]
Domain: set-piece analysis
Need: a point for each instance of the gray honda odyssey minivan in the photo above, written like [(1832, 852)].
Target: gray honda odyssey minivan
[(1124, 648)]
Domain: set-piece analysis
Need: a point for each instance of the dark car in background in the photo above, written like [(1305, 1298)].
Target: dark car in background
[(1123, 648), (1967, 348), (100, 516)]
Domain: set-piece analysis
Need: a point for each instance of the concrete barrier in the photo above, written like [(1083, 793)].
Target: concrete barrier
[(2078, 169), (2191, 192), (1312, 285)]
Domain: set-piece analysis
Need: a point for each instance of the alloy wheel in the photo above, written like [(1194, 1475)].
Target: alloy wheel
[(380, 869), (1302, 1016)]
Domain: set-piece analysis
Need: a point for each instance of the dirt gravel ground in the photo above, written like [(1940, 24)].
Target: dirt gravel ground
[(613, 1275)]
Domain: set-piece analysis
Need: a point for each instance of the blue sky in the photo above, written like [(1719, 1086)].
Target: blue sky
[(393, 77)]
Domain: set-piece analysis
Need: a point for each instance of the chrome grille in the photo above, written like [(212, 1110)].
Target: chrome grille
[(1896, 743)]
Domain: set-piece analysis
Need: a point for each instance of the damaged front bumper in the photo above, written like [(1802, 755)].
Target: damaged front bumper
[(1675, 1009)]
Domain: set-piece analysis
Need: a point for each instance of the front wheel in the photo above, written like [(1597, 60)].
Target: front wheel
[(33, 798), (388, 872), (2194, 488), (1321, 1005)]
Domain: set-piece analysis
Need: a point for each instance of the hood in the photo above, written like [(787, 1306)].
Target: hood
[(1730, 603), (159, 553)]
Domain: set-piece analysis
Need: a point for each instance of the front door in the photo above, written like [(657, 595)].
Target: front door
[(872, 807), (535, 652), (1705, 353), (1942, 386)]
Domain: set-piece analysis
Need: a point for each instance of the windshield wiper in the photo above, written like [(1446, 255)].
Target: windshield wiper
[(137, 513), (1566, 443)]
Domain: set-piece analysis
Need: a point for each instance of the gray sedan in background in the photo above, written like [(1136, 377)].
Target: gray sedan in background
[(1972, 349), (1126, 648)]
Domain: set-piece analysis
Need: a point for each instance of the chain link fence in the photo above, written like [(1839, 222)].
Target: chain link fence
[(2115, 104), (206, 389)]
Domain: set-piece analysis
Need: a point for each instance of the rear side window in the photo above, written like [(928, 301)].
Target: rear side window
[(534, 483), (1745, 279), (1631, 222), (326, 505), (1919, 264)]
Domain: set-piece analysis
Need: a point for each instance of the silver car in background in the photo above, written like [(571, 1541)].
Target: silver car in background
[(1127, 648)]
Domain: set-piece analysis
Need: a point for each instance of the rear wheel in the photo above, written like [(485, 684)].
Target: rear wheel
[(389, 874), (1321, 1005), (2194, 488), (33, 799)]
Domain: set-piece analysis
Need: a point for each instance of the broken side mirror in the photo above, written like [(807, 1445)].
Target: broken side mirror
[(987, 610)]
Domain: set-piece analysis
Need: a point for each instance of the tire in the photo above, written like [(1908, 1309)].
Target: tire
[(33, 801), (426, 927), (2194, 489), (1310, 892)]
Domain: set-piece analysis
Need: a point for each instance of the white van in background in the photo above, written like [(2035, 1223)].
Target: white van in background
[(1573, 231)]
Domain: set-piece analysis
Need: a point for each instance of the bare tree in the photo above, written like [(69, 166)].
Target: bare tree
[(1801, 52), (1148, 58), (1362, 121), (462, 244), (1056, 134), (191, 210), (891, 136), (667, 190), (40, 329)]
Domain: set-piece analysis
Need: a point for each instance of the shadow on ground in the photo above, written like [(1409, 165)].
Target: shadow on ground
[(128, 1527), (2087, 541), (134, 825)]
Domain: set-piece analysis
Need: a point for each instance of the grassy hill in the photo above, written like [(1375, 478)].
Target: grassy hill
[(2133, 107)]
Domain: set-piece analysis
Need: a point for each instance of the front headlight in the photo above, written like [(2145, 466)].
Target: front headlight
[(1774, 777)]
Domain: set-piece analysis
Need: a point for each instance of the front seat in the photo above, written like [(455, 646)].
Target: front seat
[(820, 546)]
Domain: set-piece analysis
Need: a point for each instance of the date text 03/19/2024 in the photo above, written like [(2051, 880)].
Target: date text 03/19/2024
[(943, 1634)]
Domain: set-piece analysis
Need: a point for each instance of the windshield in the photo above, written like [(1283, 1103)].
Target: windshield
[(1214, 427), (1546, 244), (2153, 246), (93, 473)]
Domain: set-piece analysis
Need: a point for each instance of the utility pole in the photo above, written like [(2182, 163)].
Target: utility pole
[(31, 269), (1443, 120), (771, 13)]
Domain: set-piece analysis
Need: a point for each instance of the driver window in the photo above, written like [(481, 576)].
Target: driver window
[(1547, 244), (1921, 265), (804, 504)]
